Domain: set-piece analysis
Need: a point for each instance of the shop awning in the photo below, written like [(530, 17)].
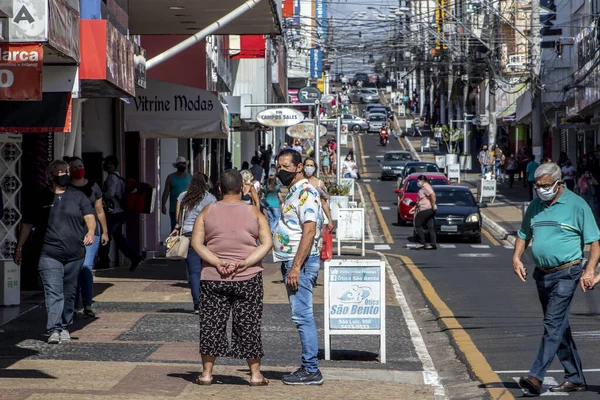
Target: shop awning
[(168, 110), (186, 17), (524, 103)]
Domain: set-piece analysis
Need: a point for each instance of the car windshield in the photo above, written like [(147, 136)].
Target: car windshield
[(377, 118), (454, 198), (414, 188), (377, 110), (397, 157), (421, 169)]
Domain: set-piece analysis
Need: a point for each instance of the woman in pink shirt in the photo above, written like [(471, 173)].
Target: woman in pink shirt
[(425, 214), (225, 236)]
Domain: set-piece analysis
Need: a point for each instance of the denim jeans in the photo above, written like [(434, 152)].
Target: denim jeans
[(498, 170), (60, 285), (556, 292), (85, 283), (274, 217), (485, 169), (194, 266), (301, 302)]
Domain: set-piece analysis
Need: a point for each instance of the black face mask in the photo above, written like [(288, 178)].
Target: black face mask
[(62, 180), (286, 177), (181, 168)]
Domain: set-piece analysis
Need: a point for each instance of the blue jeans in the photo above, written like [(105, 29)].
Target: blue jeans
[(274, 217), (556, 292), (85, 283), (498, 170), (60, 285), (302, 309), (194, 266), (485, 169)]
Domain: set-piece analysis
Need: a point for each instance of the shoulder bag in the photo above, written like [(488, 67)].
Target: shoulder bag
[(178, 245)]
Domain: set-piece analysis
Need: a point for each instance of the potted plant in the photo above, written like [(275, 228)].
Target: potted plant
[(339, 197)]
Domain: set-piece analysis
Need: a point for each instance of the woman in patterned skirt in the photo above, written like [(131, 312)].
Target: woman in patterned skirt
[(225, 237)]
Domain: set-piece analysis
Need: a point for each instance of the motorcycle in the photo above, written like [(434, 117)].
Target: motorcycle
[(384, 138)]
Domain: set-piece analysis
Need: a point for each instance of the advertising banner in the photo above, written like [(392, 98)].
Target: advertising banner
[(29, 22), (21, 71), (316, 63)]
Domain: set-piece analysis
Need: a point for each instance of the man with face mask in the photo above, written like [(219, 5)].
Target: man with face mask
[(296, 246), (176, 183), (560, 223), (485, 159)]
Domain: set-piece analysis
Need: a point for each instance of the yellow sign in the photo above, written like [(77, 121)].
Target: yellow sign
[(321, 84)]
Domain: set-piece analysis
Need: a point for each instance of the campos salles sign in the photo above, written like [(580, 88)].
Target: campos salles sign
[(280, 117), (166, 109)]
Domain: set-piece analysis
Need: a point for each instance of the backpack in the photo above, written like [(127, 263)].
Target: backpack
[(138, 197)]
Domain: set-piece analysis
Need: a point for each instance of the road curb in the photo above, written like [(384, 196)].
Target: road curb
[(411, 148), (497, 230)]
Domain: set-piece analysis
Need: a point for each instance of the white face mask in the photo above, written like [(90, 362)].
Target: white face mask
[(547, 194), (309, 171), (420, 184)]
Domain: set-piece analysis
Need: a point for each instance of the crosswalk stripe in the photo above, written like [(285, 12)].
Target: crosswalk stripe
[(480, 246), (382, 247), (366, 180), (447, 246), (549, 381), (379, 156), (509, 246), (385, 208), (366, 156)]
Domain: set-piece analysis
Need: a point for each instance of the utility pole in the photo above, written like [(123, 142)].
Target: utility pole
[(536, 93)]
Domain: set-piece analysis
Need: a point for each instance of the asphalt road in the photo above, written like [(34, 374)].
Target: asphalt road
[(501, 315)]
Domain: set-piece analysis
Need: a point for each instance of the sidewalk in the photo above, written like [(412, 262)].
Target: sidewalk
[(144, 345)]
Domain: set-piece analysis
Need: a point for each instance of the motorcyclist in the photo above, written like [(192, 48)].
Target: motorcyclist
[(384, 135), (344, 89)]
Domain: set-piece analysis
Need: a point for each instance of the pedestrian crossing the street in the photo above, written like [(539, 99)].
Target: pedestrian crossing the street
[(549, 381)]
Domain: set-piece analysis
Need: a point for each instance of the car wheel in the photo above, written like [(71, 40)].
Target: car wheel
[(356, 129), (362, 100), (476, 239)]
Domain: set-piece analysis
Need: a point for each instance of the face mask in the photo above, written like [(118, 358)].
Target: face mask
[(420, 184), (309, 171), (286, 177), (181, 168), (547, 194), (62, 180), (78, 173)]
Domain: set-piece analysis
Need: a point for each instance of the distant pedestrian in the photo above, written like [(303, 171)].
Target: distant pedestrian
[(189, 205), (569, 174), (559, 224), (231, 238), (92, 191), (485, 160), (298, 146), (65, 224), (309, 173), (113, 194), (249, 189), (417, 127), (498, 162), (437, 133), (296, 241), (257, 169), (273, 199), (512, 168), (523, 158), (586, 185), (349, 168), (325, 161), (530, 175), (176, 183), (425, 214)]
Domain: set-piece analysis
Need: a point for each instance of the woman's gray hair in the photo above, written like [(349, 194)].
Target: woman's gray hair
[(549, 169)]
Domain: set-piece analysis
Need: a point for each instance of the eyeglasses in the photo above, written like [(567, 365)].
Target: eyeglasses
[(548, 186)]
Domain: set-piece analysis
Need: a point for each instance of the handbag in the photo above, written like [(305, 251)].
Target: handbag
[(327, 248), (178, 246)]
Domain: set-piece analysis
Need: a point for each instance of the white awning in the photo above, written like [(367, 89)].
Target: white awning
[(186, 17), (524, 103), (169, 110)]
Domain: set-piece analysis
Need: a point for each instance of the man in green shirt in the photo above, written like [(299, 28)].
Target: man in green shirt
[(560, 223), (530, 174)]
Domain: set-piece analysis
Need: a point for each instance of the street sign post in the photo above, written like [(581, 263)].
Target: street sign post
[(351, 227), (355, 301)]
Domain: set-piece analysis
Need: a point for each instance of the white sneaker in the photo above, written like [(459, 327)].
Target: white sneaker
[(54, 338), (64, 336)]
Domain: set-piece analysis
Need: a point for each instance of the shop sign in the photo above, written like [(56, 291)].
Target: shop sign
[(305, 130), (280, 117), (561, 120), (63, 28), (587, 43), (139, 62), (309, 94), (21, 71), (29, 21)]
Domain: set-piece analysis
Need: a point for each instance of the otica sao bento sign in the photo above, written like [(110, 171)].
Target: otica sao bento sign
[(280, 117)]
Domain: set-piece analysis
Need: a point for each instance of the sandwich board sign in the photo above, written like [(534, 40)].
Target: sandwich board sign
[(355, 300), (351, 227), (487, 189), (453, 172)]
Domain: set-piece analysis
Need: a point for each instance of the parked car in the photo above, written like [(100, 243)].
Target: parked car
[(364, 96), (458, 214), (376, 122), (393, 163), (355, 123), (416, 167), (407, 194), (369, 107)]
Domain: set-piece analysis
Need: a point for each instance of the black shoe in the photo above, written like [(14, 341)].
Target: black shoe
[(135, 263), (88, 312), (303, 377)]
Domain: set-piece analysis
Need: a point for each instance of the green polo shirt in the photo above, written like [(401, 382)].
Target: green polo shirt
[(559, 231)]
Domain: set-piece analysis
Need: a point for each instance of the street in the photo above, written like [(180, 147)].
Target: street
[(500, 315)]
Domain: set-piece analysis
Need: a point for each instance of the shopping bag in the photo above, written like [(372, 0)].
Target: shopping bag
[(327, 248)]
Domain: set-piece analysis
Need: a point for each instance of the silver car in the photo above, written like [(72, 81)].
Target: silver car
[(376, 122), (364, 96), (355, 124)]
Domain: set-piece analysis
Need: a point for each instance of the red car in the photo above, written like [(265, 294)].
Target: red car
[(407, 194)]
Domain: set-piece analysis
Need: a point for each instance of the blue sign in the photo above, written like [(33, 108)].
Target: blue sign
[(355, 298), (316, 63), (321, 20)]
